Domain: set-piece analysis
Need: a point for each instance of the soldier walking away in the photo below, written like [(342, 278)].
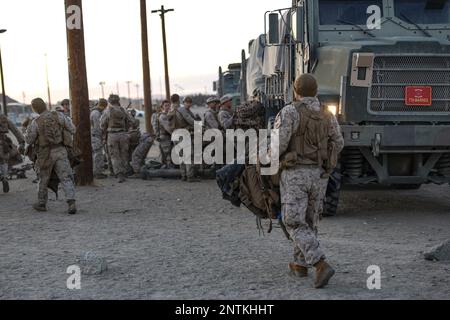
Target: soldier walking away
[(211, 115), (226, 116), (116, 122), (49, 135), (97, 139), (187, 119), (311, 135), (165, 131), (9, 155)]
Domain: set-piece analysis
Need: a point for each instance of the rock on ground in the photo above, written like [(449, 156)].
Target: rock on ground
[(439, 253)]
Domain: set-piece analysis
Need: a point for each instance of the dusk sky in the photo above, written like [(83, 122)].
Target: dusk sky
[(202, 34)]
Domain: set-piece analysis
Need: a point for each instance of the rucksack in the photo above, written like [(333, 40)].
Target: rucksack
[(175, 120), (50, 129), (260, 194)]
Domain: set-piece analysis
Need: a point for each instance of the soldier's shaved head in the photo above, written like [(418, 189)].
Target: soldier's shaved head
[(306, 85)]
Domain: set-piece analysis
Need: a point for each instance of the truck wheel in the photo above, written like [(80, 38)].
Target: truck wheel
[(331, 201)]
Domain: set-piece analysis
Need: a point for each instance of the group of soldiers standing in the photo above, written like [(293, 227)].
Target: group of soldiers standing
[(117, 142)]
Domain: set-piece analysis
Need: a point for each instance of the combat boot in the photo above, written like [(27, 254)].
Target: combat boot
[(5, 185), (72, 207), (324, 272), (41, 207), (298, 270)]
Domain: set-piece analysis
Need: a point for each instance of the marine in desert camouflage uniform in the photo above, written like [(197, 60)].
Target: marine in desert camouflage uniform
[(165, 136), (145, 144), (7, 149), (211, 115), (303, 187), (134, 132), (48, 134), (188, 119), (116, 122), (226, 116), (97, 139)]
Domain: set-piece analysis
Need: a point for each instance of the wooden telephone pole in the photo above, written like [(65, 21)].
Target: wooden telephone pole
[(146, 69), (79, 92), (163, 12)]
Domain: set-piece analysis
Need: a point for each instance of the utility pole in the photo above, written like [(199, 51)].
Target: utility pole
[(5, 106), (129, 91), (79, 91), (138, 98), (48, 83), (102, 85), (163, 12), (146, 69)]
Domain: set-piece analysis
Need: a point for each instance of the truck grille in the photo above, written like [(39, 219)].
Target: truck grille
[(392, 74)]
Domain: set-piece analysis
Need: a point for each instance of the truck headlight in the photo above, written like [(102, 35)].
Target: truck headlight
[(332, 108)]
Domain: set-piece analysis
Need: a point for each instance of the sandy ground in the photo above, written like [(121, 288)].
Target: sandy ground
[(164, 239)]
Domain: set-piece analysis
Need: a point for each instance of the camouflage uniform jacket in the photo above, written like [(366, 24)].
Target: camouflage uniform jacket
[(185, 115), (211, 120), (96, 130), (226, 119)]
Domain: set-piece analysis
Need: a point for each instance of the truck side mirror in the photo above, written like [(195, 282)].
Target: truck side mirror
[(300, 24), (274, 29)]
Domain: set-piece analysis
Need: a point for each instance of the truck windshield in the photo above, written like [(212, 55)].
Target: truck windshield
[(423, 11), (345, 12)]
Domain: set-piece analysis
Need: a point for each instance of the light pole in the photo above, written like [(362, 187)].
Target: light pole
[(48, 83), (5, 108), (102, 84), (129, 91), (138, 95)]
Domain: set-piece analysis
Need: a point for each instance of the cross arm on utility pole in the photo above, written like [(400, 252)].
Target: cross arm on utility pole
[(162, 10)]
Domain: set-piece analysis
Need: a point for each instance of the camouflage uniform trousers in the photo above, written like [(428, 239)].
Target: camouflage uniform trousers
[(59, 162), (165, 146), (97, 155), (118, 146), (188, 170), (141, 152), (4, 157), (302, 194)]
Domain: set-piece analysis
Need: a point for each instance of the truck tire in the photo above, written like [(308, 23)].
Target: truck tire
[(331, 201)]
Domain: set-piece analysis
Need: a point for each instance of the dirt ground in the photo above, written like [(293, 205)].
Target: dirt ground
[(164, 239)]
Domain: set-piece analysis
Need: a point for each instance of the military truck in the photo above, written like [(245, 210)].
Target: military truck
[(387, 80), (229, 82)]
